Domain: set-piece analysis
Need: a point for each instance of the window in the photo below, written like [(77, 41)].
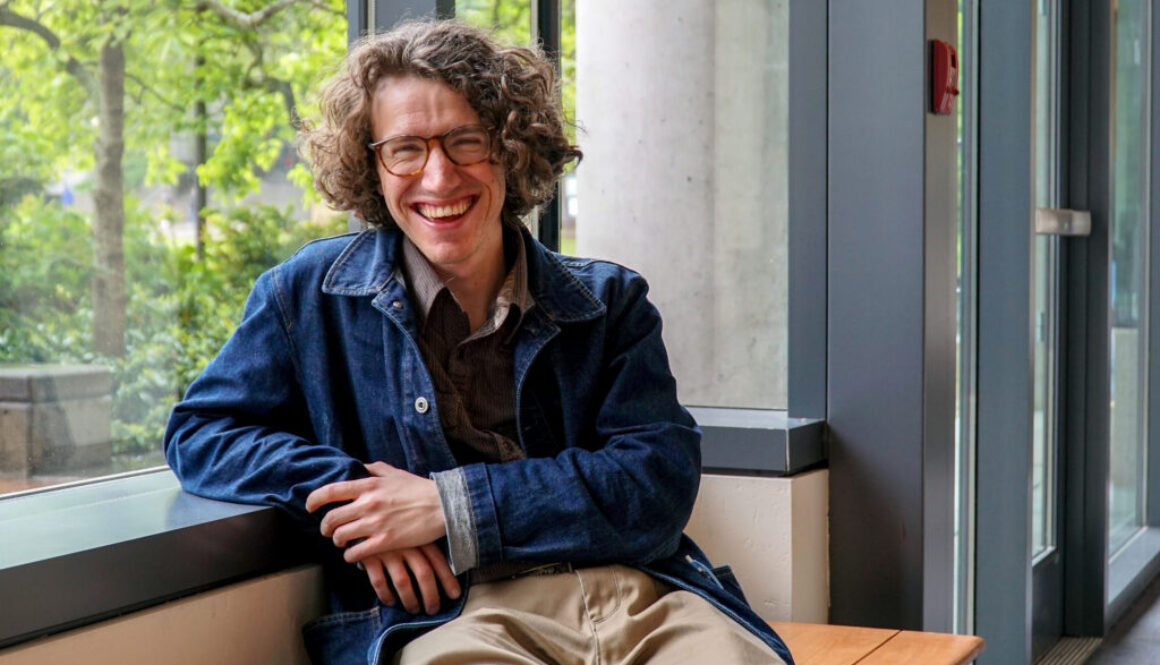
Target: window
[(684, 128), (1127, 486), (149, 176)]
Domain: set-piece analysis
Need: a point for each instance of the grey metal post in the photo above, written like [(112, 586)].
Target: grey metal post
[(1003, 553), (1087, 424), (890, 376), (807, 209)]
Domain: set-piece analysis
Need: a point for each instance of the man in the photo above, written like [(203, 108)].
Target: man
[(441, 396)]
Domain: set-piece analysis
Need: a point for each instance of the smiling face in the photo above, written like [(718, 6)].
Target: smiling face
[(451, 213)]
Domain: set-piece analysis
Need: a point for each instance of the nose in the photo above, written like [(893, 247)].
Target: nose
[(440, 174)]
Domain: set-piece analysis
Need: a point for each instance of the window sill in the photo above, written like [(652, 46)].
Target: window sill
[(79, 554), (759, 442)]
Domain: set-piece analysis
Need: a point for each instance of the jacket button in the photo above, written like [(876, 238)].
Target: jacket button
[(397, 304), (421, 404)]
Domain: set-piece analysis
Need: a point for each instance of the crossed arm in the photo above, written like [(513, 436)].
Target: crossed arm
[(393, 519)]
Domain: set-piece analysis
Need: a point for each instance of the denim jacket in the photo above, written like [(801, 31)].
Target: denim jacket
[(324, 374)]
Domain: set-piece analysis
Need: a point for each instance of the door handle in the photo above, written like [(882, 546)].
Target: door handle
[(1062, 222)]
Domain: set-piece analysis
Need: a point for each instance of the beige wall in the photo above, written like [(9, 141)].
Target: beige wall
[(249, 623), (774, 532)]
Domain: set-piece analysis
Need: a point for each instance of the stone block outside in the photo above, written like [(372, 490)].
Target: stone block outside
[(54, 418)]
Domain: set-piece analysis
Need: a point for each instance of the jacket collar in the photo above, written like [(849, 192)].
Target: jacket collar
[(368, 264)]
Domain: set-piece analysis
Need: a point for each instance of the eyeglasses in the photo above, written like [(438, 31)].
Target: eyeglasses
[(406, 155)]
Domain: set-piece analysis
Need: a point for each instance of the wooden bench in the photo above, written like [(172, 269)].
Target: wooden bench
[(821, 644)]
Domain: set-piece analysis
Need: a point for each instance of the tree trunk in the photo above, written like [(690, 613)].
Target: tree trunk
[(110, 297)]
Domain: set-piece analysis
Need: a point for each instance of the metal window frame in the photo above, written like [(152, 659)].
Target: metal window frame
[(1003, 589)]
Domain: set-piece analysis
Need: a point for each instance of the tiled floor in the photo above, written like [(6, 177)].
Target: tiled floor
[(1135, 640)]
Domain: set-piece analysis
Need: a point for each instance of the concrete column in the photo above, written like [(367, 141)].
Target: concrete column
[(682, 108)]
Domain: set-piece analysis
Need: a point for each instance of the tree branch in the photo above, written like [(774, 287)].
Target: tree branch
[(257, 78), (278, 86), (72, 65), (151, 90), (327, 8), (241, 19)]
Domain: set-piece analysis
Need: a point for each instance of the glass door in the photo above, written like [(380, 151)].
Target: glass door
[(1128, 273), (1046, 555)]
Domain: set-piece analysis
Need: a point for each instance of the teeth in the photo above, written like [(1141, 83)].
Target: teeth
[(435, 212)]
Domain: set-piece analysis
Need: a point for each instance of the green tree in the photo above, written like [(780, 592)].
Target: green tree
[(89, 82)]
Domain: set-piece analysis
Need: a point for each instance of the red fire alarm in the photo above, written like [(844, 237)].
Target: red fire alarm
[(944, 72)]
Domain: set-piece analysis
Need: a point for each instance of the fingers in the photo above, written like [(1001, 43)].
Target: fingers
[(336, 518), (424, 577), (347, 490), (397, 570), (378, 578), (442, 570), (412, 577), (379, 469), (356, 527)]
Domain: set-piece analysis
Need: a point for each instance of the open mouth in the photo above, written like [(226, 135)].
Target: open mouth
[(447, 212)]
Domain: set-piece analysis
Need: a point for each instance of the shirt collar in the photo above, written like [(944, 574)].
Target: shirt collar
[(425, 285), (369, 265)]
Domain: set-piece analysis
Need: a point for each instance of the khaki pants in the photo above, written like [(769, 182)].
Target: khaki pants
[(592, 616)]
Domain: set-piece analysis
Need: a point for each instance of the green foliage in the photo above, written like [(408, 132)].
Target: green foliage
[(181, 310), (180, 55)]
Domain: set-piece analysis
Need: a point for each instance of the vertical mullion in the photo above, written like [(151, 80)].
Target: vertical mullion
[(1087, 426), (807, 155), (546, 30), (1153, 448), (1003, 550)]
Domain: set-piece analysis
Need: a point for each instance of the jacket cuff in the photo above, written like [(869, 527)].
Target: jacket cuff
[(484, 516), (461, 533)]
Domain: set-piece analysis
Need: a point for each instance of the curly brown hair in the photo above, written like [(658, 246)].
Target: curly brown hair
[(513, 89)]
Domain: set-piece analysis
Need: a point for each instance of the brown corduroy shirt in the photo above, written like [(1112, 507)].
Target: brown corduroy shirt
[(473, 371)]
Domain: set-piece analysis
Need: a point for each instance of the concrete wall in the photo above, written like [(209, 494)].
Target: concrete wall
[(682, 107), (252, 622)]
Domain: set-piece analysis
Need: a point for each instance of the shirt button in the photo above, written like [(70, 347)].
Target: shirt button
[(397, 305), (421, 404)]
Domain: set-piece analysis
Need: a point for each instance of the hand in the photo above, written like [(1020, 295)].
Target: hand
[(429, 568), (391, 510)]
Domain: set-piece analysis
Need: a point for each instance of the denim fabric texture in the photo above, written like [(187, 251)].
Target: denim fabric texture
[(324, 374)]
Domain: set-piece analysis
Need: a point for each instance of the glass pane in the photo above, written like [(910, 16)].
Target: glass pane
[(138, 204), (685, 179), (1128, 359), (510, 19), (1043, 417), (1044, 274)]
